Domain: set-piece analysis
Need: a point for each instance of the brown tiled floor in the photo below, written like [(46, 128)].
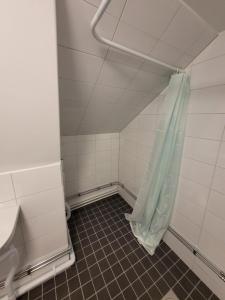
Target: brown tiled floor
[(111, 264)]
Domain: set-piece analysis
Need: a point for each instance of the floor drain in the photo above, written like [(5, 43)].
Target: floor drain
[(170, 296)]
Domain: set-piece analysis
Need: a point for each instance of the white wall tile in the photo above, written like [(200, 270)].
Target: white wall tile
[(152, 108), (190, 210), (68, 149), (147, 123), (103, 175), (86, 182), (208, 126), (70, 188), (193, 192), (36, 180), (221, 158), (86, 167), (39, 193), (35, 228), (219, 179), (85, 160), (103, 157), (8, 203), (185, 227), (114, 173), (86, 146), (70, 166), (212, 249), (216, 204), (217, 48), (6, 188), (197, 171), (103, 145), (207, 35), (215, 226), (41, 203), (209, 73), (94, 163), (207, 100), (46, 246), (201, 149), (115, 146)]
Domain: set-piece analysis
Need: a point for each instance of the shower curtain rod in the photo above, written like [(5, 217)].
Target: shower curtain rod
[(97, 17)]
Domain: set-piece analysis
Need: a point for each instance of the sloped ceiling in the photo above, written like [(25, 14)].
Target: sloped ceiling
[(101, 89), (213, 11)]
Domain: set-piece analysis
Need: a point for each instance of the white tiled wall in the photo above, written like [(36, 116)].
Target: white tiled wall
[(41, 230), (89, 161), (136, 142), (199, 214)]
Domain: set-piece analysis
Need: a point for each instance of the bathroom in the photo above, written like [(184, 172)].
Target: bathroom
[(112, 165)]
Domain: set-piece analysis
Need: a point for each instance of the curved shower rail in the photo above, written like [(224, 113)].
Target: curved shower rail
[(97, 17)]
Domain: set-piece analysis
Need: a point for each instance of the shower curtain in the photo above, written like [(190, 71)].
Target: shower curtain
[(151, 215)]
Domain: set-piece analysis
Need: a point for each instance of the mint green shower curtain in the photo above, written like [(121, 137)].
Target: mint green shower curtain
[(151, 215)]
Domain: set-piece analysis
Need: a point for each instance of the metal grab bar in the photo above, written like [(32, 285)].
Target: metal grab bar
[(97, 17)]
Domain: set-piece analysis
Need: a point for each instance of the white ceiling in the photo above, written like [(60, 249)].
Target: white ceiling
[(101, 89), (213, 11)]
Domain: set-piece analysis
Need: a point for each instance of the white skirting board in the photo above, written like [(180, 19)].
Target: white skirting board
[(78, 201), (130, 200)]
